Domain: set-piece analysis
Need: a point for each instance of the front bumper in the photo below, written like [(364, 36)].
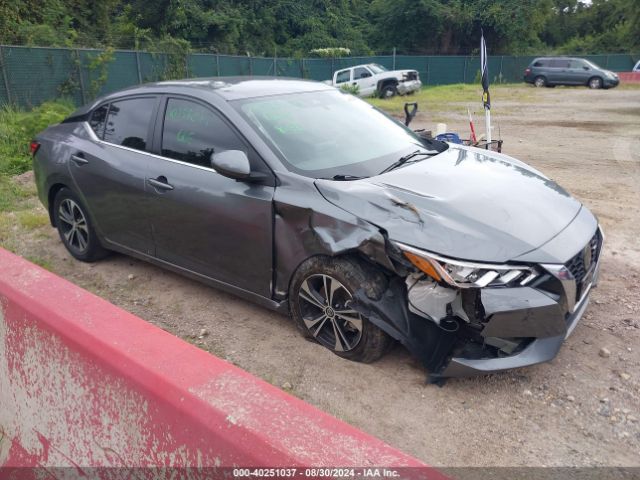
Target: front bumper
[(409, 86), (611, 82), (474, 331), (537, 351), (527, 325)]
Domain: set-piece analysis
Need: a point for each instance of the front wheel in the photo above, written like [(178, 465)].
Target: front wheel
[(388, 91), (595, 83), (75, 228), (320, 300)]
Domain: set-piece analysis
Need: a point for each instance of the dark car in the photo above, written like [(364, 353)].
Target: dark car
[(310, 201), (552, 71)]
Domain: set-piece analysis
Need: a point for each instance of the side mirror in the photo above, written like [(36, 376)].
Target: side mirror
[(232, 164), (365, 75), (586, 68)]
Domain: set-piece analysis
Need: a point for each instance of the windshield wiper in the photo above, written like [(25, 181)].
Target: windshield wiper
[(402, 160), (346, 177)]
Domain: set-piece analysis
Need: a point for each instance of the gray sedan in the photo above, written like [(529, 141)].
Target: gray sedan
[(309, 201)]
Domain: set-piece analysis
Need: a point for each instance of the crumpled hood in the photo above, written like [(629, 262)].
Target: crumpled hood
[(464, 203)]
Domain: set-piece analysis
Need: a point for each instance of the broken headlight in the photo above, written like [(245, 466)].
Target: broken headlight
[(461, 274)]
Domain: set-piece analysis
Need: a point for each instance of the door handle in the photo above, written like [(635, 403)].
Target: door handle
[(79, 159), (160, 183)]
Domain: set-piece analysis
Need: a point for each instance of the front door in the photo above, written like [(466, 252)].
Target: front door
[(364, 79), (203, 221), (580, 72)]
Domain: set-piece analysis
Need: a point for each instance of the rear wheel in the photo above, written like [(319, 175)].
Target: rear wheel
[(75, 228), (540, 81), (595, 83), (320, 300)]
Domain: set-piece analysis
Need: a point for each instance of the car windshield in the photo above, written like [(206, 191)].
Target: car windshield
[(329, 133), (592, 65), (375, 68)]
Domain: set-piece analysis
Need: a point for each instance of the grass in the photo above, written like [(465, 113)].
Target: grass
[(629, 86), (12, 195), (31, 220), (455, 98), (42, 262), (452, 97)]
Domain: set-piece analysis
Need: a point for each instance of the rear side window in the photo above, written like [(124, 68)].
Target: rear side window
[(99, 120), (128, 123), (343, 76), (192, 132)]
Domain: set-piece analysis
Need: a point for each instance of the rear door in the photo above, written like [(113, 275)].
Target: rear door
[(109, 170), (559, 71), (343, 77), (202, 221)]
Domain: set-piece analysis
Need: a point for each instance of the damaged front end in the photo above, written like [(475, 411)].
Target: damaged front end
[(537, 260), (463, 318)]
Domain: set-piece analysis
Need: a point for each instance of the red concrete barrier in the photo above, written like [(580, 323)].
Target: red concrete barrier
[(629, 77), (86, 384)]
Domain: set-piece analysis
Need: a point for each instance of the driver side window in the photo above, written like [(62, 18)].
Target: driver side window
[(192, 132), (361, 72)]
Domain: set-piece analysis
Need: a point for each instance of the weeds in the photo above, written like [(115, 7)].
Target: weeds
[(18, 127)]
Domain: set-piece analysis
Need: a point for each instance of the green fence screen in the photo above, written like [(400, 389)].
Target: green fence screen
[(32, 75)]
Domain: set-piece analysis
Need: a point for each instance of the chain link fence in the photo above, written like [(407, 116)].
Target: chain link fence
[(32, 75)]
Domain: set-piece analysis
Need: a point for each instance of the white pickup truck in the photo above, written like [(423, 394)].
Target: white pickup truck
[(373, 79)]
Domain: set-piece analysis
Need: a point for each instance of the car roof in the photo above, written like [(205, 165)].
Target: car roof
[(225, 88), (558, 57)]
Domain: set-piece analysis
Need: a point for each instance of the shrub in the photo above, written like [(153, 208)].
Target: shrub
[(352, 89), (19, 127)]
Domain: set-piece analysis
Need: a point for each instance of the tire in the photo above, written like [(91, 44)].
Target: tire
[(388, 91), (540, 81), (75, 228), (594, 83), (335, 326)]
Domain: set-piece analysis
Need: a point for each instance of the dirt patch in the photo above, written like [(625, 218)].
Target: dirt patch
[(589, 126), (582, 409), (24, 180)]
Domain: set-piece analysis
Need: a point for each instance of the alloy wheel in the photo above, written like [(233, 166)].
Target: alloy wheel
[(73, 225), (324, 305)]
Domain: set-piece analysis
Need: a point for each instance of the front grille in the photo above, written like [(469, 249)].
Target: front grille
[(584, 262)]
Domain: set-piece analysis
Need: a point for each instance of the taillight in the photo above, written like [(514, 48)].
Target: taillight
[(527, 71), (34, 146)]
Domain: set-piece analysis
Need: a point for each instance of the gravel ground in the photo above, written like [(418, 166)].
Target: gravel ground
[(581, 409)]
